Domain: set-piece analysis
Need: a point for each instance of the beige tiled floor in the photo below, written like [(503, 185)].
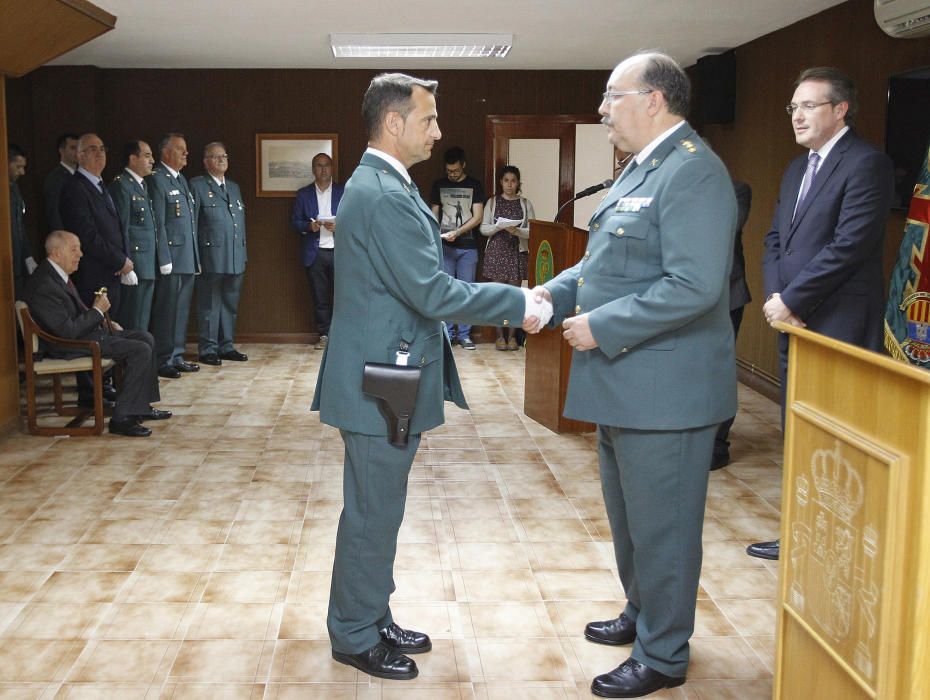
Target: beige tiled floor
[(195, 564)]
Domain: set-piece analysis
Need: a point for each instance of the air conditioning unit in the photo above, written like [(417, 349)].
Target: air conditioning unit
[(903, 19)]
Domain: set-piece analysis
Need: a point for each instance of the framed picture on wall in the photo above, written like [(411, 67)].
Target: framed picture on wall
[(284, 162)]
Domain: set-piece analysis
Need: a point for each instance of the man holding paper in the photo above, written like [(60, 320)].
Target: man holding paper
[(391, 297), (647, 313), (314, 218)]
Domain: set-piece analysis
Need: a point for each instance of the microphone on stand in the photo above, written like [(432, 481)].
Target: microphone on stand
[(586, 192)]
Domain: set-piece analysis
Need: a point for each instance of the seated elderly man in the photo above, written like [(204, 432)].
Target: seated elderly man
[(55, 305)]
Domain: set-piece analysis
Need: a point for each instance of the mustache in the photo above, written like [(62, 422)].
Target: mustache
[(606, 121)]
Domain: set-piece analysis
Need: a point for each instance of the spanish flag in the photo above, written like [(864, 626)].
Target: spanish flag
[(907, 316)]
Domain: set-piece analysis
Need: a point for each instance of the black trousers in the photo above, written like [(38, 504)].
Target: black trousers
[(135, 352), (322, 276), (721, 444)]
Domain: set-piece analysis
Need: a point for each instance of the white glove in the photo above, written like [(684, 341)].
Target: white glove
[(30, 265), (130, 278), (542, 309), (165, 269)]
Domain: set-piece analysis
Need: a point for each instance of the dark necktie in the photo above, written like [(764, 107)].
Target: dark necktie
[(71, 288), (223, 186)]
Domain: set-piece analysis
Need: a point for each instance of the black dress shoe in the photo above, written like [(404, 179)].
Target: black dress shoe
[(188, 366), (129, 426), (154, 414), (84, 402), (631, 679), (764, 550), (381, 661), (169, 372), (621, 630), (234, 355), (406, 641), (211, 359)]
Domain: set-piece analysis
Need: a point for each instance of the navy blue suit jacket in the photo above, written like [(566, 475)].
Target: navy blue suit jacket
[(306, 208), (827, 263), (92, 217)]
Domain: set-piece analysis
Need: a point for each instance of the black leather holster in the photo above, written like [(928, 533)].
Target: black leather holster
[(395, 387)]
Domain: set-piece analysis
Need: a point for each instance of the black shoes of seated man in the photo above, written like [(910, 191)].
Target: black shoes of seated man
[(234, 356), (128, 426), (387, 658), (632, 679), (616, 632), (211, 359), (764, 550)]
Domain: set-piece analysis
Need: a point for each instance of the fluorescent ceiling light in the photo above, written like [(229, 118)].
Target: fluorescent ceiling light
[(420, 45)]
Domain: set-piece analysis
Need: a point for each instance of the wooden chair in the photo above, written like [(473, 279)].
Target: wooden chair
[(35, 368)]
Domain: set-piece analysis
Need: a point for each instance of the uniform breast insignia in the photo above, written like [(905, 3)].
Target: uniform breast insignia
[(209, 193), (174, 193), (632, 204), (689, 146)]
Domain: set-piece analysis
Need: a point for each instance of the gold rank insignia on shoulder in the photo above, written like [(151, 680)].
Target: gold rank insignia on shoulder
[(689, 146), (632, 204), (654, 162)]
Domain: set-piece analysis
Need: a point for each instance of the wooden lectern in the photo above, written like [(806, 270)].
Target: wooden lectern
[(553, 247), (853, 603)]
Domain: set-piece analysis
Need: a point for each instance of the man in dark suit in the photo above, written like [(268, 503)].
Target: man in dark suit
[(646, 305), (147, 251), (739, 297), (319, 200), (88, 211), (16, 168), (823, 257), (391, 294), (173, 205), (220, 217), (56, 179), (55, 305)]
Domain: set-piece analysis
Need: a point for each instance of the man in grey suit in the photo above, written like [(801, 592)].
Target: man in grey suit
[(646, 311), (57, 177), (147, 250), (220, 217), (173, 205), (391, 294)]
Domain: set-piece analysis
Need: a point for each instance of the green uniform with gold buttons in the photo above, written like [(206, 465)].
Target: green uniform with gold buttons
[(147, 251), (655, 285), (220, 216), (390, 295)]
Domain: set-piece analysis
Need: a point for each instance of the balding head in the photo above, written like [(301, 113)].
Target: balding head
[(64, 249)]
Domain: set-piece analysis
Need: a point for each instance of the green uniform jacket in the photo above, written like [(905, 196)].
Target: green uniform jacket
[(220, 217), (391, 291), (174, 216), (147, 250), (655, 281)]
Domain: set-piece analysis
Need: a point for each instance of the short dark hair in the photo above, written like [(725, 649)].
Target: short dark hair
[(453, 155), (841, 88), (64, 138), (390, 92), (513, 170), (662, 73), (166, 139), (131, 148), (13, 152)]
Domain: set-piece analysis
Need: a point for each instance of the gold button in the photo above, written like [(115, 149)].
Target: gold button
[(623, 350), (596, 227), (506, 323), (620, 231), (581, 282), (578, 309), (587, 254)]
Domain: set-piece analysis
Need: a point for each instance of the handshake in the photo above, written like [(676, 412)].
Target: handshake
[(538, 309)]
